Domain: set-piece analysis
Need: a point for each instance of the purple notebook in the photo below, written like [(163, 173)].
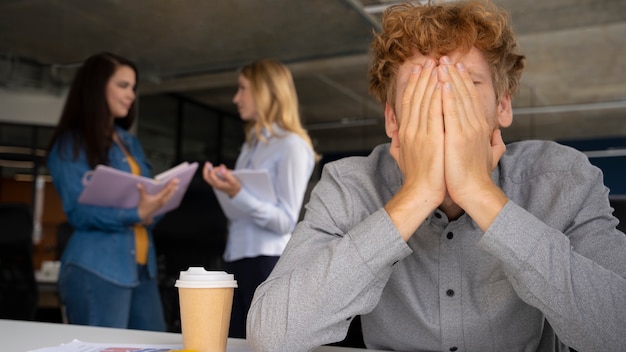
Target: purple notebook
[(109, 187)]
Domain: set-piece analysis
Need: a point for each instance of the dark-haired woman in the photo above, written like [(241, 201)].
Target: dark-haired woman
[(108, 269)]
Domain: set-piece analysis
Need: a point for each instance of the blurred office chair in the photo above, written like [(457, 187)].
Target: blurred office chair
[(18, 289)]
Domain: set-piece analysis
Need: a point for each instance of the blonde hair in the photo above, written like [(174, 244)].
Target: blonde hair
[(438, 29), (275, 98)]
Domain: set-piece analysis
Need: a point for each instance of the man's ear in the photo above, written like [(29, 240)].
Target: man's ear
[(505, 111), (391, 122)]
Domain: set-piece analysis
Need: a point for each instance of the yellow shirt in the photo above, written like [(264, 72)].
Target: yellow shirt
[(141, 234)]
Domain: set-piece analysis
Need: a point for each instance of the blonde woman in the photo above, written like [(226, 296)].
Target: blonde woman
[(275, 141)]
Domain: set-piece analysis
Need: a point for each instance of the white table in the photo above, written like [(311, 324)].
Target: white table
[(22, 336)]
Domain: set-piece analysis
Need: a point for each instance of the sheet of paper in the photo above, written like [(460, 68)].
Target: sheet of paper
[(257, 182)]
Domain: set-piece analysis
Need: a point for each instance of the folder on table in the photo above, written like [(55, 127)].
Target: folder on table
[(257, 182), (110, 187)]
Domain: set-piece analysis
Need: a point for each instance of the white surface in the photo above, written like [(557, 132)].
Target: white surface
[(22, 336)]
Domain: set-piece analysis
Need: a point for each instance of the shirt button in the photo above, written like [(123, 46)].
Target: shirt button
[(453, 348), (450, 293), (450, 235)]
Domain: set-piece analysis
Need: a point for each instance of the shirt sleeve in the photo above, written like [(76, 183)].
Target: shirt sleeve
[(67, 175), (575, 277), (330, 272), (291, 179)]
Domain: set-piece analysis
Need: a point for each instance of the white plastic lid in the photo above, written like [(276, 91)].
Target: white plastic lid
[(197, 277)]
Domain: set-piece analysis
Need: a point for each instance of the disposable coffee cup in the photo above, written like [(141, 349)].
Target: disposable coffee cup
[(206, 299)]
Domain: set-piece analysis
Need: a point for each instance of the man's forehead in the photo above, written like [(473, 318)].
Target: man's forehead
[(473, 60)]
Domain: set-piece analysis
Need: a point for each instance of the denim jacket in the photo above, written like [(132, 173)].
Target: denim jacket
[(103, 241)]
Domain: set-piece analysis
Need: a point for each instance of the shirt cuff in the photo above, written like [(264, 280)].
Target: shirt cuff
[(514, 235), (245, 201), (130, 216), (378, 242)]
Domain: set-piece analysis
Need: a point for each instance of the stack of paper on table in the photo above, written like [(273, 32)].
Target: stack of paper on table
[(80, 346), (109, 187), (234, 345), (257, 182)]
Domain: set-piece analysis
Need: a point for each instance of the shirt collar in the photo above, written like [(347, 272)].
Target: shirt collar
[(265, 132)]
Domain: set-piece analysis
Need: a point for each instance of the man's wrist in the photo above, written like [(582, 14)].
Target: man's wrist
[(407, 211), (485, 206)]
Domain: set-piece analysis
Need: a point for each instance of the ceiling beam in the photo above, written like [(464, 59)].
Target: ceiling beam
[(229, 78), (553, 109)]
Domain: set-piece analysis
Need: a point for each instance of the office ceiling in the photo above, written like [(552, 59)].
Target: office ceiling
[(574, 86)]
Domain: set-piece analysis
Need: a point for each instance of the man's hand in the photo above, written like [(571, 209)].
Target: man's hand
[(473, 146), (418, 148)]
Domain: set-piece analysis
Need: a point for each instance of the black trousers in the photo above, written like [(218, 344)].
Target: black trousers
[(249, 273)]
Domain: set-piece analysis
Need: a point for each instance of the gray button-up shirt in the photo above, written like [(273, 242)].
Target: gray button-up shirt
[(551, 264)]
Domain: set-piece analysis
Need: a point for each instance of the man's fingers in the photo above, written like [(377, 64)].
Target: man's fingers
[(462, 76), (435, 113), (450, 108), (411, 98), (426, 112), (466, 95)]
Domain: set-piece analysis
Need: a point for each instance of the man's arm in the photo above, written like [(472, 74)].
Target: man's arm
[(566, 275), (577, 278), (334, 268)]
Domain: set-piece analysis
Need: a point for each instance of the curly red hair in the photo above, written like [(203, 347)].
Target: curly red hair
[(441, 28)]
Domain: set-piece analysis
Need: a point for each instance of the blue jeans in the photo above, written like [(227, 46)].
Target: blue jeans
[(91, 300)]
